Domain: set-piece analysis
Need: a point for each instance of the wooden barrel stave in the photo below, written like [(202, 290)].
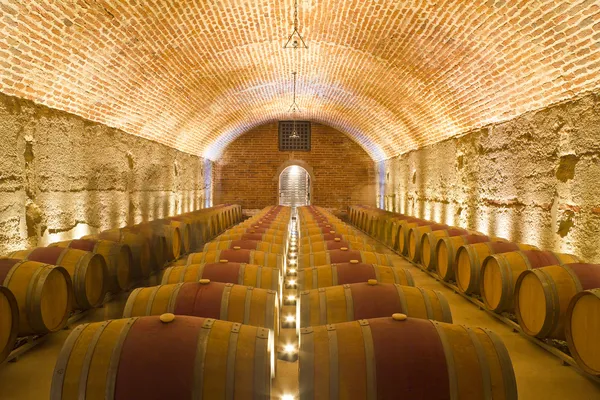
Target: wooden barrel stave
[(345, 273), (583, 329), (344, 256), (272, 260), (9, 322)]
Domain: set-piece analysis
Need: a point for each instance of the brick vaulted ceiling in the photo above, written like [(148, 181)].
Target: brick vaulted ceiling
[(393, 75)]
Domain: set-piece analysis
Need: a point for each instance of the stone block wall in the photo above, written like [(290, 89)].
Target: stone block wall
[(533, 179), (62, 176)]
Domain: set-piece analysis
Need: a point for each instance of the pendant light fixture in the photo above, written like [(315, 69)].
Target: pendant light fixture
[(295, 40)]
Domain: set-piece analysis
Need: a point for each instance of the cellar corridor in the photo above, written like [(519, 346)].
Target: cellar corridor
[(299, 199)]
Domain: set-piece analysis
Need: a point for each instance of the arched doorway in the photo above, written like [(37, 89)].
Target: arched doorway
[(294, 186)]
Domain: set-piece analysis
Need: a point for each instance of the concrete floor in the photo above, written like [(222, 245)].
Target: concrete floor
[(539, 374)]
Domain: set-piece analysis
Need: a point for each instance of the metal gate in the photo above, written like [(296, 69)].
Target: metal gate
[(294, 187)]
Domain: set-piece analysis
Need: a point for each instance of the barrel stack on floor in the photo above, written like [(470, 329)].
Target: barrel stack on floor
[(551, 295), (40, 288), (208, 330), (367, 332)]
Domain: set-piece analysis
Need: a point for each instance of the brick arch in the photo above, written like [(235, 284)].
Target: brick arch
[(394, 76)]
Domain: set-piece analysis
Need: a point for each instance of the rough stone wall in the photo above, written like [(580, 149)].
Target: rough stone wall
[(533, 179), (247, 173), (62, 176)]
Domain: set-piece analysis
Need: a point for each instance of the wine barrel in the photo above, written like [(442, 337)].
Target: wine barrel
[(499, 274), (141, 254), (354, 301), (42, 292), (408, 358), (316, 247), (470, 257), (428, 245), (167, 357), (272, 260), (403, 229), (446, 248), (158, 244), (415, 235), (117, 256), (582, 330), (9, 322), (347, 230), (542, 296), (87, 271), (395, 228), (253, 236), (172, 235), (328, 237), (341, 274), (262, 231), (224, 301), (226, 272), (354, 256), (244, 244), (185, 231)]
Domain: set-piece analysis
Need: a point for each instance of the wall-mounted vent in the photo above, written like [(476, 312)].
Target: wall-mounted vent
[(288, 141)]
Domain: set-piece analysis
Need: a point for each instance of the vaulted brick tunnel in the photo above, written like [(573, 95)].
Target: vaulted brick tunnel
[(482, 115)]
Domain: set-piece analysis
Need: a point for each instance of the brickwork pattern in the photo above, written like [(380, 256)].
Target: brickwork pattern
[(394, 75), (246, 174)]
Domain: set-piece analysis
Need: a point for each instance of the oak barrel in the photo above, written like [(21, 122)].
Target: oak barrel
[(582, 330), (499, 274), (244, 244), (542, 296), (167, 357), (254, 236), (407, 358), (87, 271), (354, 256), (157, 243), (428, 245), (9, 322), (43, 294), (272, 260), (354, 301), (343, 273), (316, 247), (226, 272), (117, 256), (470, 257), (446, 248), (224, 301), (415, 235)]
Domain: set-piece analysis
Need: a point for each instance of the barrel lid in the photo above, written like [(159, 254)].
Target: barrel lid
[(372, 282), (337, 239), (353, 261), (204, 281), (344, 248), (224, 261), (236, 247), (332, 232), (399, 317), (167, 317)]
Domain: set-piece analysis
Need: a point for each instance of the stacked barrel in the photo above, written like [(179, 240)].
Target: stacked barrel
[(551, 295), (210, 327), (367, 332), (41, 287)]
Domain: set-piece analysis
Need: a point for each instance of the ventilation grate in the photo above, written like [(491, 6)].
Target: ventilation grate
[(289, 143)]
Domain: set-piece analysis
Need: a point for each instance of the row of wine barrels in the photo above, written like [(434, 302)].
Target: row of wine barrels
[(352, 256), (273, 260), (354, 301), (43, 294), (244, 244), (583, 329), (9, 322), (275, 239), (446, 249), (403, 358), (345, 273), (542, 296), (141, 253), (316, 247), (344, 230), (117, 256), (405, 227), (263, 231), (157, 243), (415, 235), (226, 272), (428, 243), (224, 301), (499, 274), (166, 357), (87, 271), (470, 257)]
